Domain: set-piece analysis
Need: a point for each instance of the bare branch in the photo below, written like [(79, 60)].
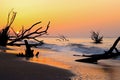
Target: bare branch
[(11, 14), (14, 32), (38, 29), (38, 40), (30, 35), (13, 18), (47, 26), (31, 27), (9, 17)]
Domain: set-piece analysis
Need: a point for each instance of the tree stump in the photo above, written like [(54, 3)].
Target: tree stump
[(28, 51)]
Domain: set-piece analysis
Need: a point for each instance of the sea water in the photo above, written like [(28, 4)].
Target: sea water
[(64, 51), (61, 53), (78, 45)]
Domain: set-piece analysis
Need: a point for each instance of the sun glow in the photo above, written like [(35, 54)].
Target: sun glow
[(71, 17), (17, 32)]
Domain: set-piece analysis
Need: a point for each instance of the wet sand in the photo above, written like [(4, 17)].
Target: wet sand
[(104, 70), (13, 68)]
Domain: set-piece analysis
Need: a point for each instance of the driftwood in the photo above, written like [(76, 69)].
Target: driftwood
[(108, 54), (28, 51), (23, 34), (4, 33), (28, 34)]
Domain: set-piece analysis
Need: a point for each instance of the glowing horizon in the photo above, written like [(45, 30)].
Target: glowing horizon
[(68, 17)]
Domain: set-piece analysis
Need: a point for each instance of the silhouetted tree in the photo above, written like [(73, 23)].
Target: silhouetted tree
[(29, 33), (4, 33), (23, 34), (96, 37)]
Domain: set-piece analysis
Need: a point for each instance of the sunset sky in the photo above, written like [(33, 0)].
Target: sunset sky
[(73, 18)]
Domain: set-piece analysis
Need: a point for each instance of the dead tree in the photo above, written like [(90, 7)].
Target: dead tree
[(23, 34), (96, 37), (29, 33), (108, 54), (4, 33)]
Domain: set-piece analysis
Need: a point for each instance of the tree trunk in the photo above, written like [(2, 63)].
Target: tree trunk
[(28, 51), (114, 45), (4, 33), (4, 36)]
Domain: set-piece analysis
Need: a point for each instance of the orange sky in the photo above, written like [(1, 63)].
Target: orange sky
[(69, 17)]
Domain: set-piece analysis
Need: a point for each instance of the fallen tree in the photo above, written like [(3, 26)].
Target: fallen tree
[(108, 54), (28, 34), (23, 33), (4, 33)]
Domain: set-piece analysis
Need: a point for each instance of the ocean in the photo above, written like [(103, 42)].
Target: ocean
[(78, 46), (62, 53)]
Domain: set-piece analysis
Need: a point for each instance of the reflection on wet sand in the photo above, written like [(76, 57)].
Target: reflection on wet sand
[(49, 61), (104, 70), (111, 67)]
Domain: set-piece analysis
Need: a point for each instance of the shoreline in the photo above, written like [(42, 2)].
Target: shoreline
[(104, 70), (11, 68)]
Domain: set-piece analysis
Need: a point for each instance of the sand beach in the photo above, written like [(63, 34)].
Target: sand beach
[(13, 68)]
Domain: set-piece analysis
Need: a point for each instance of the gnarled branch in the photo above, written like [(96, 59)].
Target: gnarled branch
[(26, 34)]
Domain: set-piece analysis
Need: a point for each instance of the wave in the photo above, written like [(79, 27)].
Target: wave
[(79, 48), (86, 49), (75, 47), (54, 47)]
